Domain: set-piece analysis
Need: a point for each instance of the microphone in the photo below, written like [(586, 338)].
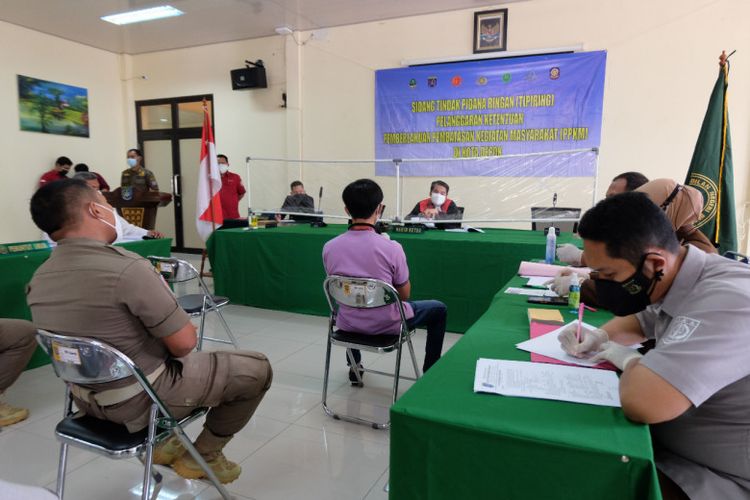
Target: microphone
[(320, 197), (554, 200)]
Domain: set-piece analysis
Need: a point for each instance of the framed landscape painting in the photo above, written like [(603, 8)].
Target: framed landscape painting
[(52, 108)]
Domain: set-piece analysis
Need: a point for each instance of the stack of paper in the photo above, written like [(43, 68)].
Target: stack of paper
[(546, 316), (542, 381), (548, 270), (531, 292)]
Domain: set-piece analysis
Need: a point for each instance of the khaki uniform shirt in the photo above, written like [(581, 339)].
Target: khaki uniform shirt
[(140, 180), (702, 333), (90, 289)]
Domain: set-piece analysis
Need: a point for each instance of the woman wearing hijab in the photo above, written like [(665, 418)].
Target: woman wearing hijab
[(681, 204)]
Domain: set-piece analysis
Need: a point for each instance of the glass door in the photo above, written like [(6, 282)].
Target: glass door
[(169, 132)]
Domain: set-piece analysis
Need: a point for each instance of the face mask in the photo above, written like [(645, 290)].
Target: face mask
[(64, 173), (132, 162), (630, 296), (223, 168), (117, 226), (437, 199)]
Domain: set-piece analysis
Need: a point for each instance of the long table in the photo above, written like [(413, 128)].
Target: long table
[(16, 271), (282, 268), (448, 442)]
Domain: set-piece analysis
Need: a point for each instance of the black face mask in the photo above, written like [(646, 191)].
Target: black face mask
[(630, 296)]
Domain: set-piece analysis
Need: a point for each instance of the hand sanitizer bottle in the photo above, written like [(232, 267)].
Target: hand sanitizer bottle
[(549, 256)]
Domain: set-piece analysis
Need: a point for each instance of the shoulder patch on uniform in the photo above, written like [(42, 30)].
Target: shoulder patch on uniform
[(680, 329)]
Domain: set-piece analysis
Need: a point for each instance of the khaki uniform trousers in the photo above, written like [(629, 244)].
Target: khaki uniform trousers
[(232, 384), (17, 345)]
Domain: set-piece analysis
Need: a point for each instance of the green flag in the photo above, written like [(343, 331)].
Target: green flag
[(711, 170)]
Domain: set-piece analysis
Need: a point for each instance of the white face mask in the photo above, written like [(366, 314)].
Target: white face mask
[(132, 162), (437, 199), (223, 168), (117, 226)]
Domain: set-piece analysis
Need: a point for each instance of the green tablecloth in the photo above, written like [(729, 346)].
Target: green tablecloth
[(282, 268), (16, 271), (448, 442)]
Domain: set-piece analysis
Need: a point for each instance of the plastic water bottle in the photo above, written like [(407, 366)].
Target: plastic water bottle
[(574, 293), (549, 257)]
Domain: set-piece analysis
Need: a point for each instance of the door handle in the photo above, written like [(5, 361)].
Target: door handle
[(176, 185)]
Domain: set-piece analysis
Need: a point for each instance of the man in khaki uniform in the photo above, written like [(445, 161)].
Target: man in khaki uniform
[(89, 288), (17, 345), (136, 176)]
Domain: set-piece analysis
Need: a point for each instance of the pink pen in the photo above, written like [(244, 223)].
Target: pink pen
[(580, 321)]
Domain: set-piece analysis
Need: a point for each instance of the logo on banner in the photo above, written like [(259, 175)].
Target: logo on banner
[(506, 77), (482, 80), (710, 191), (554, 73), (432, 81), (530, 76), (456, 81), (413, 83)]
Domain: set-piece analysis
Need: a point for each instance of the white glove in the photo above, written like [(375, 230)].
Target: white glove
[(591, 340), (560, 284), (617, 354), (570, 254)]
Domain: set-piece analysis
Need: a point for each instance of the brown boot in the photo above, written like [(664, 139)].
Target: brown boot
[(10, 415), (209, 446), (168, 451)]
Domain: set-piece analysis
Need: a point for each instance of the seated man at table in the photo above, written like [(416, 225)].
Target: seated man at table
[(694, 385), (89, 288), (17, 345), (437, 206), (362, 252), (298, 201)]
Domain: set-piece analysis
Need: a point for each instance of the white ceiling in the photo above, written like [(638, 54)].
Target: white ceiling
[(207, 21)]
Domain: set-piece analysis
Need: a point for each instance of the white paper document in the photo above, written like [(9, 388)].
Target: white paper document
[(548, 345), (531, 292), (543, 381), (538, 281)]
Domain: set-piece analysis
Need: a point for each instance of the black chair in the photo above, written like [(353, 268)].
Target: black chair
[(84, 361), (566, 226), (737, 256), (365, 293)]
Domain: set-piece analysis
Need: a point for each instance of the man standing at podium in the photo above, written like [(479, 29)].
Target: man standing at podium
[(136, 176)]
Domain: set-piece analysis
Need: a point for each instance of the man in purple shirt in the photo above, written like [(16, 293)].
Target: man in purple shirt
[(363, 253)]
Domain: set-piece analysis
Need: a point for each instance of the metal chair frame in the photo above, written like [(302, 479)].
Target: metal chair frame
[(368, 293), (180, 271), (87, 361)]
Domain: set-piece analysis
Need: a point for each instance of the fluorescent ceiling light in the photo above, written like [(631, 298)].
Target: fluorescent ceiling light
[(139, 16)]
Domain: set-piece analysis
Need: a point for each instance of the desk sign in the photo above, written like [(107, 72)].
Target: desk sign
[(408, 229), (24, 246)]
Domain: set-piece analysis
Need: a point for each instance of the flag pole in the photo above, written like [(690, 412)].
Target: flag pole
[(724, 66), (208, 170)]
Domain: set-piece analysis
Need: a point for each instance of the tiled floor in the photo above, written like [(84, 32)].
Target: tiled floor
[(289, 450)]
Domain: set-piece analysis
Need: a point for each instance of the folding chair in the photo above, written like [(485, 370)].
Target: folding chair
[(737, 256), (84, 361), (195, 304), (365, 293)]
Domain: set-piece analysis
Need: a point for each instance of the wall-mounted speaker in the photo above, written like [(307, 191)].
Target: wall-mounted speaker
[(249, 78)]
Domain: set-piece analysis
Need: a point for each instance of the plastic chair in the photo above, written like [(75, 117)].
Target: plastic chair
[(555, 213), (195, 304), (85, 361), (365, 293)]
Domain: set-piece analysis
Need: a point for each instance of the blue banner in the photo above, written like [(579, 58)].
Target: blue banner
[(500, 107)]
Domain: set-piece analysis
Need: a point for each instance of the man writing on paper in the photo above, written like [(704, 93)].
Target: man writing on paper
[(694, 386)]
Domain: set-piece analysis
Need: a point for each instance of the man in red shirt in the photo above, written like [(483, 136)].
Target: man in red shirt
[(232, 189), (60, 171)]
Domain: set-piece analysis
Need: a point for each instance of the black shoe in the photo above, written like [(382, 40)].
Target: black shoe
[(353, 376)]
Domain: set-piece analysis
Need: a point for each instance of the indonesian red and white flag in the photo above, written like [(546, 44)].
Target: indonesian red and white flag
[(208, 209)]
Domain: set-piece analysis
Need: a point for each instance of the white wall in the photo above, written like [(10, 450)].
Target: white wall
[(661, 66), (247, 122), (26, 155)]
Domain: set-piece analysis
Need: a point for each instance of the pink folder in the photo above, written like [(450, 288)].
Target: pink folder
[(536, 329)]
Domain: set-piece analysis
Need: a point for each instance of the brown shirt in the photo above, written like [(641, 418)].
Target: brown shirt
[(90, 289)]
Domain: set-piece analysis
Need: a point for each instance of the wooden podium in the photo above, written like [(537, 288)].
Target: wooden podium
[(141, 209)]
